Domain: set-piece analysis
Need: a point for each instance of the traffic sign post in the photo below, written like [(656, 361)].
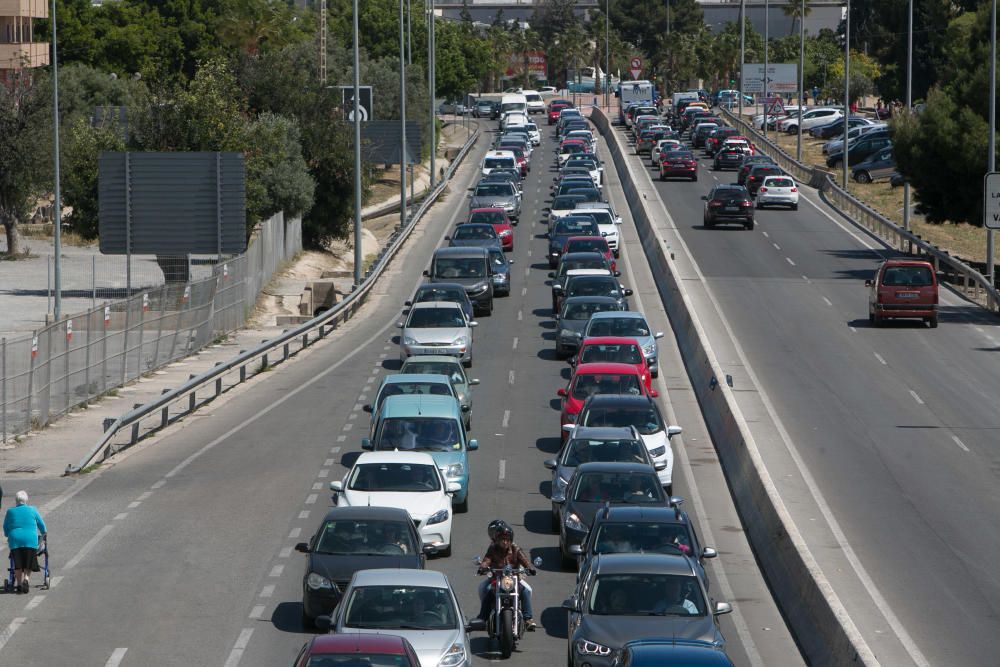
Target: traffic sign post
[(365, 103), (635, 67), (991, 200)]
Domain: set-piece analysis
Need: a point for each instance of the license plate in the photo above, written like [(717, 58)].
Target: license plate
[(906, 295), (732, 209)]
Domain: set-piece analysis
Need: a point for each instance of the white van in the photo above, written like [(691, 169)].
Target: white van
[(534, 100), (513, 118), (498, 160), (513, 103)]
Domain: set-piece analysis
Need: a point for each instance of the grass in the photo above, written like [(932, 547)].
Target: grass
[(44, 231)]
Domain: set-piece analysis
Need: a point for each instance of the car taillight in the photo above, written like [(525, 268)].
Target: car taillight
[(714, 204), (795, 189), (753, 178), (744, 204), (763, 189)]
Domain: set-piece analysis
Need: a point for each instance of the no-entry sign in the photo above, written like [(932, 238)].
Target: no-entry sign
[(635, 67)]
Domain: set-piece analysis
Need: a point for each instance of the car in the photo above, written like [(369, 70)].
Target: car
[(592, 445), (757, 174), (836, 144), (535, 102), (597, 485), (409, 384), (497, 218), (663, 146), (349, 539), (903, 288), (643, 529), (715, 138), (497, 195), (860, 149), (649, 136), (878, 166), (628, 325), (835, 128), (548, 90), (778, 191), (678, 163), (729, 156), (728, 203), (811, 118), (567, 227), (613, 349), (500, 264), (555, 106), (417, 605), (402, 479), (436, 328), (495, 159), (598, 378), (568, 181), (452, 107), (607, 221), (508, 175), (587, 282), (588, 162), (575, 262), (563, 205), (590, 244), (453, 369), (749, 162), (701, 131), (640, 411), (657, 652), (629, 596), (482, 109), (473, 235), (586, 136), (572, 317), (520, 154), (442, 292), (469, 267), (570, 147), (432, 424), (348, 647)]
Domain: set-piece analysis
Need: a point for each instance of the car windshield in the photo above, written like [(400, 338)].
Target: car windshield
[(573, 226), (645, 418), (622, 353), (430, 434), (494, 162), (467, 232), (907, 276), (394, 477), (487, 217), (645, 537), (565, 202), (593, 450), (646, 595), (459, 267), (678, 155), (364, 537), (435, 318), (455, 294), (400, 608), (601, 217), (497, 257), (618, 487), (571, 264), (587, 245), (405, 388), (729, 193), (593, 286), (583, 311), (588, 384), (572, 148), (494, 190), (452, 370)]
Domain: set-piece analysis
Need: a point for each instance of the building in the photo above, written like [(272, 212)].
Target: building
[(18, 48)]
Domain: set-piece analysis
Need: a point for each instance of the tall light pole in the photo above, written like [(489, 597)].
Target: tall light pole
[(402, 118), (409, 36), (607, 56), (909, 106), (802, 67), (847, 88), (766, 21), (430, 82), (358, 258), (57, 204), (743, 26), (993, 126)]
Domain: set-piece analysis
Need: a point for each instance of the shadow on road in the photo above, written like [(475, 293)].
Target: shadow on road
[(287, 617), (548, 445), (555, 622), (538, 522)]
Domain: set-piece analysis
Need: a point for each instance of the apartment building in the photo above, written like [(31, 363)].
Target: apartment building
[(18, 48)]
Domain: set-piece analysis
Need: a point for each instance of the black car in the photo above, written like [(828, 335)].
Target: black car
[(596, 485), (728, 158), (351, 539), (570, 261), (565, 227), (574, 313), (749, 162), (474, 234), (597, 286), (501, 271), (453, 292), (861, 149), (715, 138), (757, 174), (700, 134), (836, 128), (728, 203)]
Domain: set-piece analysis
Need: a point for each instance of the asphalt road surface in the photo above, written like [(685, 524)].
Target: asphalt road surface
[(181, 552)]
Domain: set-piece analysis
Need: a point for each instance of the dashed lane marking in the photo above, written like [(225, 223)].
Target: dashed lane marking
[(503, 469), (506, 418), (881, 359), (267, 591), (916, 397), (789, 260), (35, 601), (827, 301), (311, 499), (959, 443), (241, 644), (257, 612), (85, 549), (294, 533), (276, 571), (116, 657)]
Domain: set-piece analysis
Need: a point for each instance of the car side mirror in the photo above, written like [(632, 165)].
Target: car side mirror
[(368, 408), (674, 430), (561, 392), (474, 381), (428, 549), (447, 238), (552, 274), (576, 550), (617, 274), (473, 445), (659, 465), (654, 393), (324, 623), (427, 274), (337, 486), (510, 261), (709, 552), (302, 547), (454, 487), (723, 608), (366, 444), (704, 197), (570, 604), (568, 428), (407, 303), (549, 464), (475, 625), (571, 361), (399, 325), (628, 292), (869, 283), (466, 408), (658, 334), (473, 323)]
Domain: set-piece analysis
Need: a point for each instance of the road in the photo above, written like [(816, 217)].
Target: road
[(883, 439), (181, 552)]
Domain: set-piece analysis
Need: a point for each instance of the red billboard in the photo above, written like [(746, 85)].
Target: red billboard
[(531, 61)]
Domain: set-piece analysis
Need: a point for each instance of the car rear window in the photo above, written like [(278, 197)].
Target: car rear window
[(779, 183), (907, 276)]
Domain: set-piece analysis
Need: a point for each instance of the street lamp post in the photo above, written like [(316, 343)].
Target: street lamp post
[(430, 83), (743, 26), (993, 126), (57, 204), (847, 88), (607, 56), (358, 258), (802, 67), (909, 106), (766, 21), (402, 118)]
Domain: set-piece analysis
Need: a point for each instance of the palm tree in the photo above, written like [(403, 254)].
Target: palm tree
[(793, 9)]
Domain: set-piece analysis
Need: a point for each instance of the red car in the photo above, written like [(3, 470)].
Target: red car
[(501, 224), (356, 648), (590, 244), (678, 163), (555, 106), (522, 159), (598, 378), (903, 288), (614, 349)]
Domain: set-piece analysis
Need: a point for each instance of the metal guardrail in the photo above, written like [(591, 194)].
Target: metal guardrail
[(268, 353), (971, 283)]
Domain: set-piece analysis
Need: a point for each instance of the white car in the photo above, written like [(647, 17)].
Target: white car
[(607, 222), (596, 171), (534, 134), (811, 118), (662, 146), (778, 191), (548, 90), (534, 99), (403, 479)]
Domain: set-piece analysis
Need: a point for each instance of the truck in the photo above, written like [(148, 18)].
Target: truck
[(634, 92)]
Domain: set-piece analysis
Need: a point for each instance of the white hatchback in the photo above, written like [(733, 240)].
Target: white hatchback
[(662, 146), (778, 191)]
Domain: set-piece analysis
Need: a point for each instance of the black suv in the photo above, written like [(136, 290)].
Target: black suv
[(757, 174), (728, 203)]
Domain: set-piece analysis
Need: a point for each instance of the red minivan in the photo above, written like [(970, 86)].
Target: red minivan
[(903, 288)]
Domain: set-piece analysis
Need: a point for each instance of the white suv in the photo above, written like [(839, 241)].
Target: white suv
[(534, 99), (810, 118)]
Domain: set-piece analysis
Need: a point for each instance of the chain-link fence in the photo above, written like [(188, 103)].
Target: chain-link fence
[(45, 373)]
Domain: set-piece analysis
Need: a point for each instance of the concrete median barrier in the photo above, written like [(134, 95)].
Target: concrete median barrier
[(821, 625)]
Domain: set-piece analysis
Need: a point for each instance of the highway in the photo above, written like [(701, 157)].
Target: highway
[(181, 551), (882, 441)]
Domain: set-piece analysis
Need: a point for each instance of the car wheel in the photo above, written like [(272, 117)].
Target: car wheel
[(795, 207), (709, 224), (758, 206), (695, 177), (715, 167), (567, 562), (932, 321), (462, 507), (748, 226), (467, 363), (863, 177), (445, 552), (871, 317), (307, 623), (655, 373), (876, 320)]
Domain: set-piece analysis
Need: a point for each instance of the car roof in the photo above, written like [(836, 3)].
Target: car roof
[(499, 154), (606, 367), (645, 563), (609, 340), (632, 314), (620, 399), (393, 378), (603, 432), (431, 286), (363, 512), (907, 262), (353, 642), (428, 305), (421, 405), (614, 466), (461, 252), (574, 273), (396, 456), (590, 299), (400, 576), (485, 209)]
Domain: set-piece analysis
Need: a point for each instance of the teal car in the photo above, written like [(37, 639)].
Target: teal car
[(431, 424)]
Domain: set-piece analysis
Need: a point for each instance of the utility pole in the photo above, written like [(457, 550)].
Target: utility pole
[(802, 67), (409, 36), (993, 126), (766, 81), (57, 204), (909, 106), (607, 57), (743, 27), (430, 83), (847, 87), (358, 258), (322, 43), (402, 118)]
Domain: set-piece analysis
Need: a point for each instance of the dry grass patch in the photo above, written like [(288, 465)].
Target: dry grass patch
[(43, 230)]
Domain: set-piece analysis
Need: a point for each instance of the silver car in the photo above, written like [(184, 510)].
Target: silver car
[(451, 367), (416, 604), (630, 325), (497, 195), (436, 327)]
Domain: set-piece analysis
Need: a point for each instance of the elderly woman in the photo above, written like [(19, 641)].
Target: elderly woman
[(21, 526)]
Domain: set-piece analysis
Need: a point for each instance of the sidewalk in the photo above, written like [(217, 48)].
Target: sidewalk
[(45, 453)]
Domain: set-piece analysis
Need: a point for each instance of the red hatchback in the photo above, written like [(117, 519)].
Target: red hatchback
[(614, 349), (590, 244), (904, 288), (678, 163), (358, 649), (501, 224), (554, 108), (599, 378)]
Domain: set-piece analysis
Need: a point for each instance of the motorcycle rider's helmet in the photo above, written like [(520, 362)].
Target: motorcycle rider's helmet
[(505, 532), (494, 526)]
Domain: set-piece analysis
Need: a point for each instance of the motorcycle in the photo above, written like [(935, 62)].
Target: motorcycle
[(506, 621)]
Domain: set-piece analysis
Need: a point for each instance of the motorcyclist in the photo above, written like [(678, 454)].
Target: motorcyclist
[(502, 552)]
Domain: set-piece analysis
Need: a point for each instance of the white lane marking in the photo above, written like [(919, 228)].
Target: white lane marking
[(55, 582), (776, 246), (120, 516), (317, 486), (510, 378), (959, 442), (267, 591), (383, 355), (386, 347), (828, 302), (276, 571), (10, 630), (329, 462), (357, 406), (371, 379), (916, 398), (503, 469), (520, 316), (335, 450), (241, 644), (132, 505), (506, 418), (144, 496), (323, 473), (285, 552), (85, 549), (806, 278), (341, 438), (789, 260), (353, 415), (348, 426), (159, 484), (35, 601), (311, 499), (116, 657), (514, 345), (766, 235), (257, 612), (295, 532), (304, 514), (524, 291), (881, 359), (853, 330)]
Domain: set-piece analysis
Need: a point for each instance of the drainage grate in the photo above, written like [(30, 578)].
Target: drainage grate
[(23, 469)]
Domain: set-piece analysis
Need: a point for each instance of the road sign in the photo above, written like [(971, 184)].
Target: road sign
[(991, 200), (635, 67), (781, 78), (347, 101)]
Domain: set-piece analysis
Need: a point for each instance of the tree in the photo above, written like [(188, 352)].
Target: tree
[(864, 73), (793, 9), (251, 25), (82, 146)]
